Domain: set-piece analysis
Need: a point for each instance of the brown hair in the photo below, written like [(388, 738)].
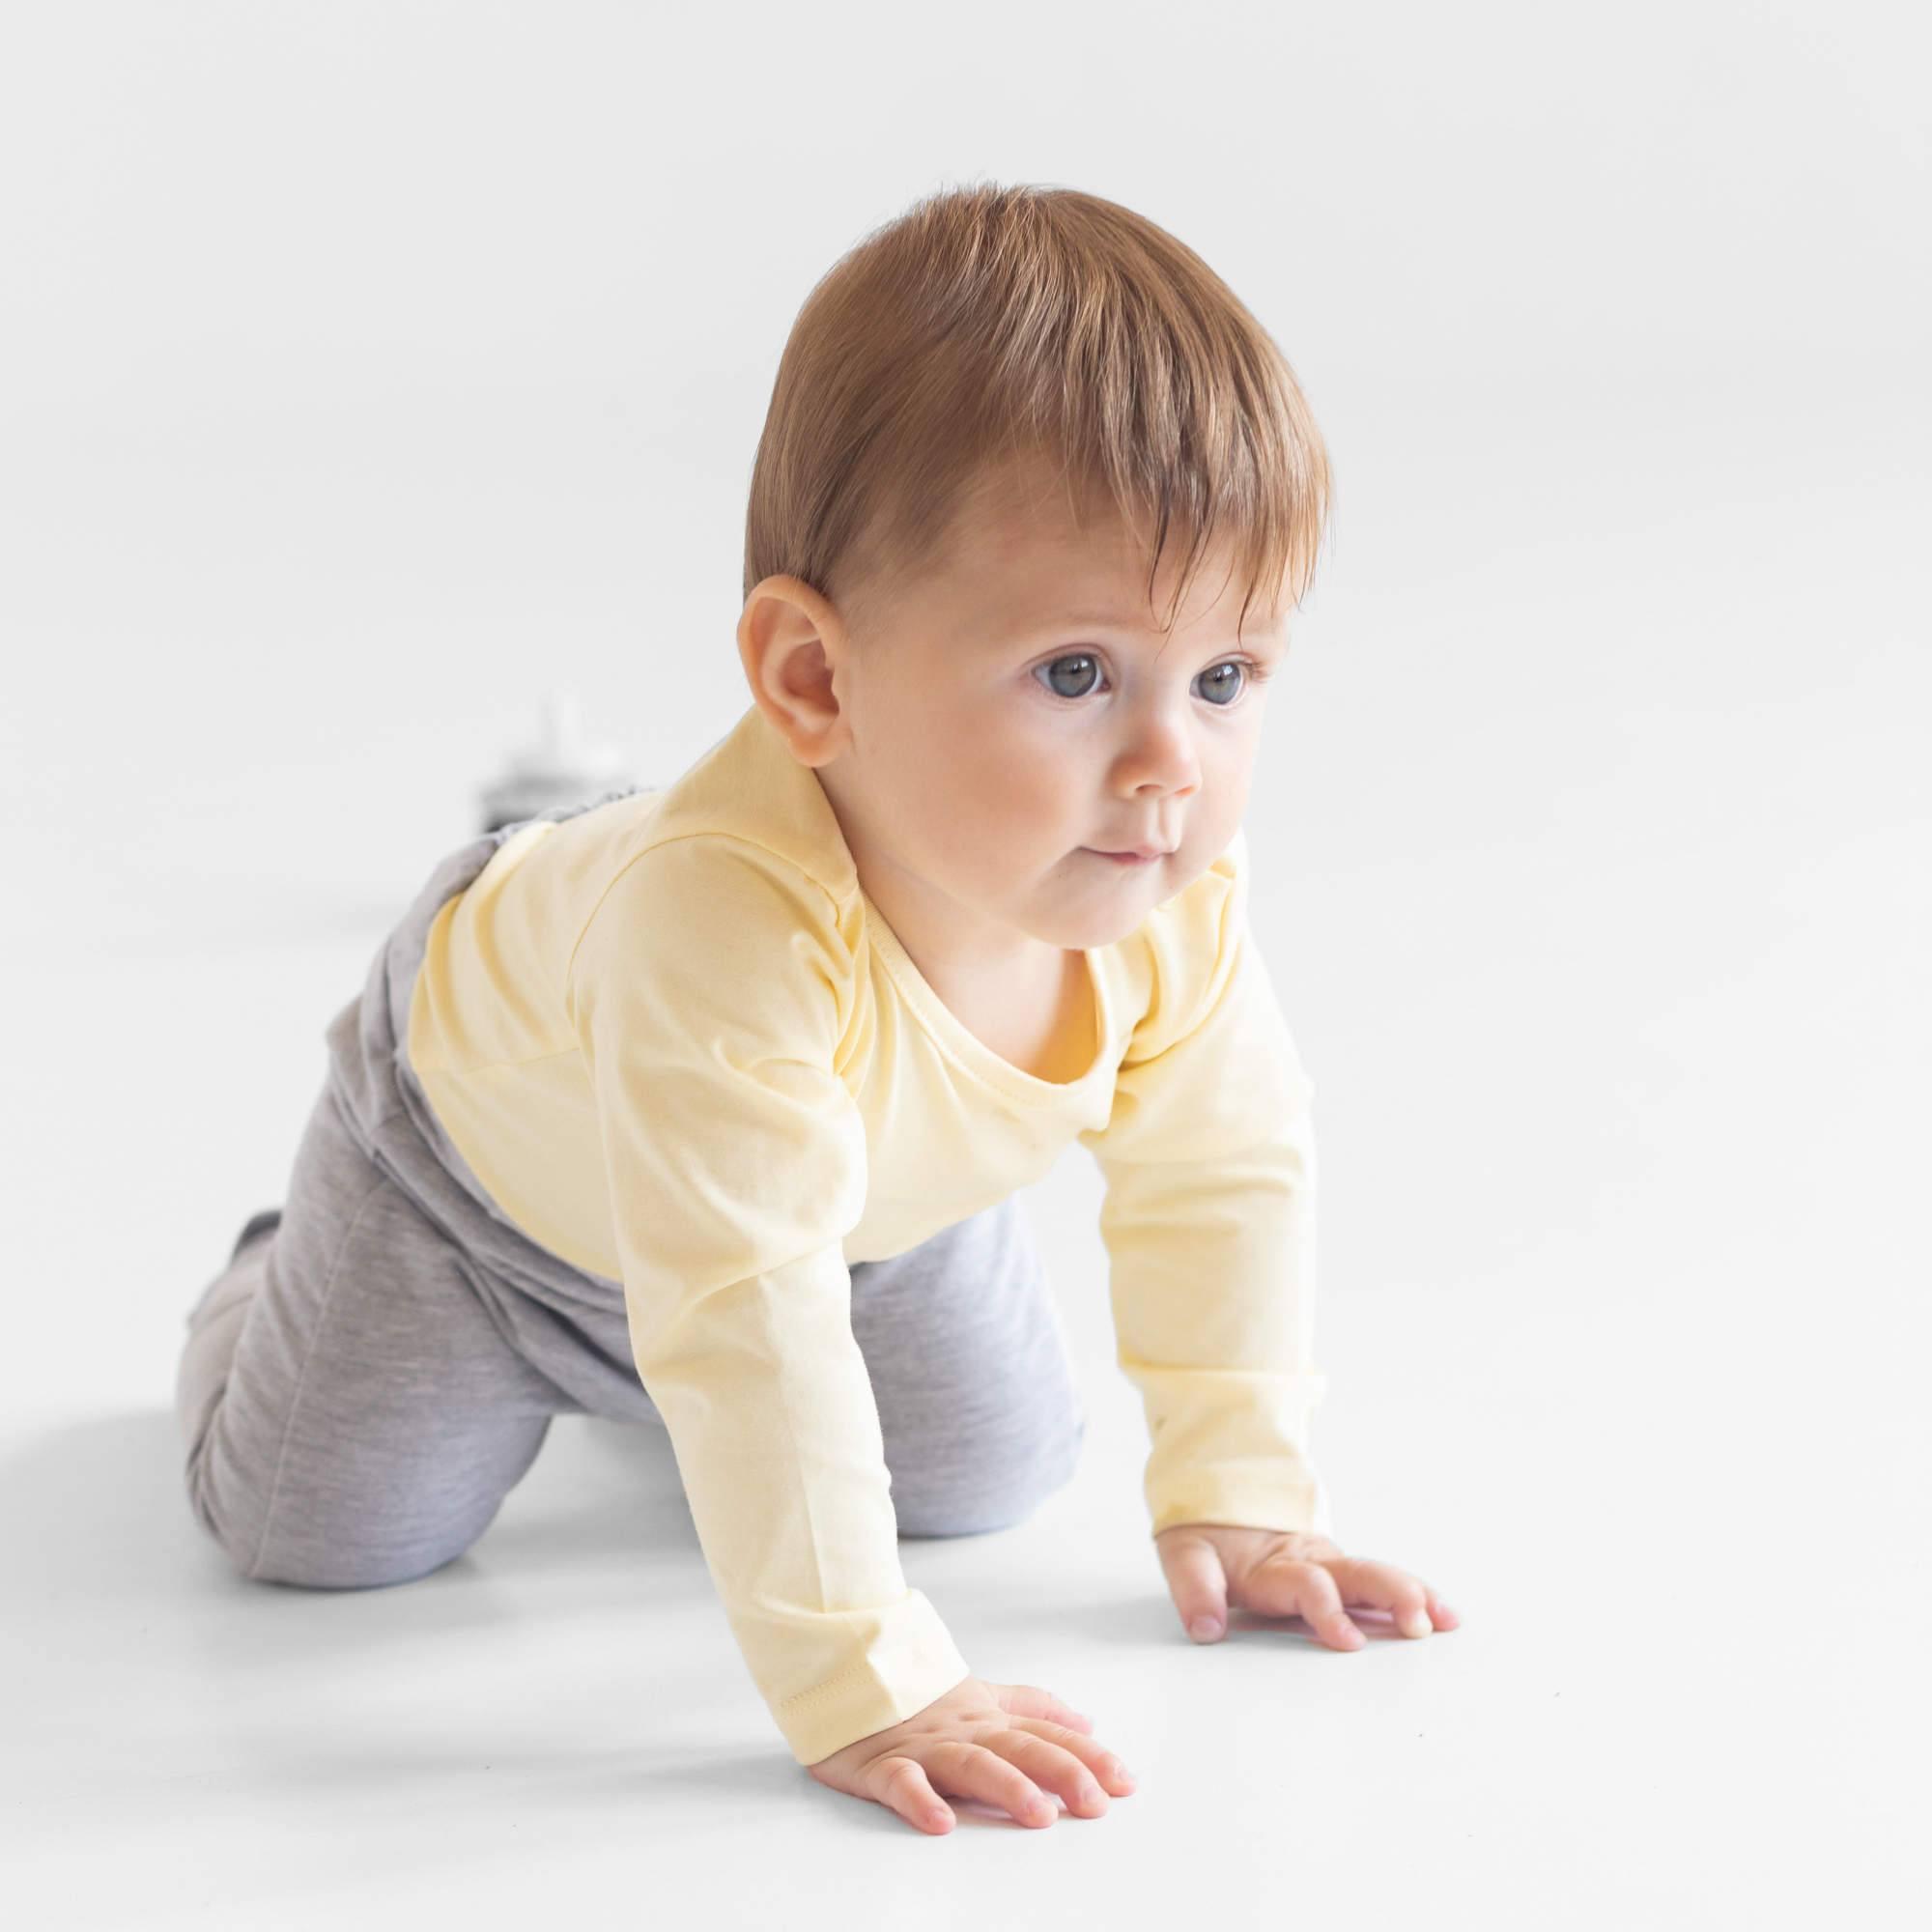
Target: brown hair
[(988, 322)]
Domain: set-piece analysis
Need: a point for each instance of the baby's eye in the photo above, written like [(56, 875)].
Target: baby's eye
[(1213, 681), (1082, 657)]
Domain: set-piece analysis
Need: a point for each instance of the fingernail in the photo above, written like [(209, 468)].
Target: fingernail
[(1205, 1629), (1416, 1623)]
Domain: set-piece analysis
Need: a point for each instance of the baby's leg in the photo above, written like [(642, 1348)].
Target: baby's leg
[(976, 1402), (351, 1413)]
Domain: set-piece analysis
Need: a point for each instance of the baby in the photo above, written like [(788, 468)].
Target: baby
[(706, 1105)]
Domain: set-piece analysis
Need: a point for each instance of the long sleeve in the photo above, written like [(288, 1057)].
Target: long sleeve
[(709, 991), (1208, 1219)]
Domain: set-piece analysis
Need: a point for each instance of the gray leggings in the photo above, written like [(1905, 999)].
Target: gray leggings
[(377, 1366)]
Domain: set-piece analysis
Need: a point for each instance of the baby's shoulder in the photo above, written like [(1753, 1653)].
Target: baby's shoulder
[(710, 918)]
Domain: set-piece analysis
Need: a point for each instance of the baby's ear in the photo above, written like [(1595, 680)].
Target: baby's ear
[(791, 644)]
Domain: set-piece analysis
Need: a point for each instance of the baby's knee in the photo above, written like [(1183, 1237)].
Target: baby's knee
[(311, 1557), (336, 1571), (995, 1490)]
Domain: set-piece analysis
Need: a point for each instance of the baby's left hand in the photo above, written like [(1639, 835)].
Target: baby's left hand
[(1277, 1573)]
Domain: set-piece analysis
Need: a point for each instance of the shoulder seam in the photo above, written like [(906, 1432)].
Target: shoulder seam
[(677, 838)]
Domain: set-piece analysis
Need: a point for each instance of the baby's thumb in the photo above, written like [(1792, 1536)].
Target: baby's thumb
[(1198, 1585)]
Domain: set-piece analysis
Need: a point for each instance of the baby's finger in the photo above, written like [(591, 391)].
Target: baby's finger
[(1285, 1587), (900, 1784), (979, 1773), (1029, 1700), (1052, 1766), (1384, 1587), (1198, 1582), (1113, 1775)]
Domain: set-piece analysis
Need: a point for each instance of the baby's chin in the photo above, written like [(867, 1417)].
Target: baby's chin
[(1082, 915)]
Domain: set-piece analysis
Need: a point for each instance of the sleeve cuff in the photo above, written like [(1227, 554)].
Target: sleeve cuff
[(1285, 1494), (1233, 1446), (908, 1659)]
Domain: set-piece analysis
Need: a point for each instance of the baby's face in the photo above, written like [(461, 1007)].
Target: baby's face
[(1018, 715)]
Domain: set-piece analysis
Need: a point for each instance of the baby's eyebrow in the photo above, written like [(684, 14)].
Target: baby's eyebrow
[(1105, 620)]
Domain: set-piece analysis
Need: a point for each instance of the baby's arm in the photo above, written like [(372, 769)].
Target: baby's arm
[(1209, 1220), (705, 992)]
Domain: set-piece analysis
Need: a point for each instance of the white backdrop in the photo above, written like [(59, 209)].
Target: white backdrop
[(367, 370)]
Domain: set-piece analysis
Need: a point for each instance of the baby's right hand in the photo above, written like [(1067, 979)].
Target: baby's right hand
[(1009, 1745)]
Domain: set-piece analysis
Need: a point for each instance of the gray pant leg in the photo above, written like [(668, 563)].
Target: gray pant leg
[(359, 1391), (352, 1414), (976, 1402)]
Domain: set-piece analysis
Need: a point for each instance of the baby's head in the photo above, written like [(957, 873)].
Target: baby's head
[(1035, 499)]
